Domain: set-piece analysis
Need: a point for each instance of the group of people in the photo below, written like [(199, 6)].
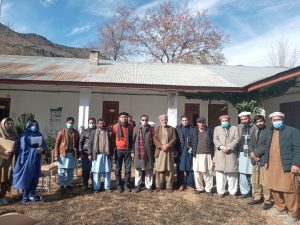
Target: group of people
[(258, 160)]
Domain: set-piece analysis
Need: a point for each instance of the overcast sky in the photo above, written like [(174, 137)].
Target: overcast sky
[(253, 25)]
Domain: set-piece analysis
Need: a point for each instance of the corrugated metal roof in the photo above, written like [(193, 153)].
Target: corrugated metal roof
[(80, 70)]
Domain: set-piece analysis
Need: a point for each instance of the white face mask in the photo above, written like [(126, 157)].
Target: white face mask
[(92, 125), (144, 123)]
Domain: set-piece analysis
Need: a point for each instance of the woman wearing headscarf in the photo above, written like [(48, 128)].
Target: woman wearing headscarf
[(7, 132), (28, 166)]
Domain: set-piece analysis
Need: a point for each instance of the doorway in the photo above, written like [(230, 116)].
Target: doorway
[(110, 112)]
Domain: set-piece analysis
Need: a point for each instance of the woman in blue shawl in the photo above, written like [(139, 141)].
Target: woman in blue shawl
[(28, 166)]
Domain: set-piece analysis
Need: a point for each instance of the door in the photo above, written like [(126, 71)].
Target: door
[(4, 107), (110, 112), (214, 112), (192, 112), (292, 112)]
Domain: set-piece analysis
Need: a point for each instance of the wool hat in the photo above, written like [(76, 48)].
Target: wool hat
[(201, 119), (244, 114), (276, 114)]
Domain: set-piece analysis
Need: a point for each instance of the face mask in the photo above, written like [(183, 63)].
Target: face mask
[(69, 126), (224, 124), (33, 128), (92, 126), (144, 123), (277, 124)]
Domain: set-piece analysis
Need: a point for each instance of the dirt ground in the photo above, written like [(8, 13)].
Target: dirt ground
[(87, 207)]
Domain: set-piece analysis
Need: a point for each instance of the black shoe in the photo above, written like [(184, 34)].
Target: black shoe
[(84, 187), (267, 206), (137, 189), (209, 193), (119, 189), (62, 190), (198, 192), (244, 196), (69, 187), (254, 202)]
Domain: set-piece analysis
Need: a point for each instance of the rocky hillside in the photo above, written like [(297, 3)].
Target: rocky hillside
[(14, 43)]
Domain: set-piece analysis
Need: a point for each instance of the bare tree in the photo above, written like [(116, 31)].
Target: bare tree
[(172, 35), (114, 35), (283, 55)]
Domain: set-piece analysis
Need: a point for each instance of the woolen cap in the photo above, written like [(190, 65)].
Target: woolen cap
[(276, 114), (201, 119)]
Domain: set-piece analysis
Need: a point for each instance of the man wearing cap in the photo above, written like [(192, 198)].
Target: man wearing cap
[(283, 162), (143, 152), (66, 153), (203, 149), (257, 148), (185, 157), (122, 133), (245, 166), (226, 140), (164, 140)]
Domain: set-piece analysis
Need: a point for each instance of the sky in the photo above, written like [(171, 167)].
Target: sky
[(253, 26)]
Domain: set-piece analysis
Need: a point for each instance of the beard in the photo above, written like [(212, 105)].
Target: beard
[(261, 127)]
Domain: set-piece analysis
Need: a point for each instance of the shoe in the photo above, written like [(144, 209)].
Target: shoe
[(35, 198), (170, 190), (150, 190), (69, 187), (221, 195), (267, 206), (181, 188), (233, 196), (158, 189), (127, 189), (137, 189), (3, 201), (275, 212), (108, 190), (290, 220), (244, 196), (84, 187), (198, 192), (119, 189), (254, 202), (209, 193), (97, 191), (62, 190), (24, 201)]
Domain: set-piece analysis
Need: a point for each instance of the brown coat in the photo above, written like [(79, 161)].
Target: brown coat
[(158, 136), (61, 143), (226, 162)]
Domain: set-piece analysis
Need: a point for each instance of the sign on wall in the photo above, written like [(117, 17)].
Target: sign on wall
[(56, 115)]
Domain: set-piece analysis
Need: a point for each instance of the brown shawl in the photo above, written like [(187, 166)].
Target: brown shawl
[(5, 134)]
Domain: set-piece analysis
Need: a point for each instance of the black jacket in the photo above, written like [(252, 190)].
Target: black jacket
[(289, 141), (258, 145), (180, 139), (194, 140), (84, 140)]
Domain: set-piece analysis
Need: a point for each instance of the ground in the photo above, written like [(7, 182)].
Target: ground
[(78, 207)]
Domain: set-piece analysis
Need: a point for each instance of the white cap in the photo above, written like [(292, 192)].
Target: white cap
[(224, 116), (244, 114), (276, 114)]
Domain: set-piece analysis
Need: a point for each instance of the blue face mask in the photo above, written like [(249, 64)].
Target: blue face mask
[(224, 124), (69, 126), (33, 128), (277, 124), (92, 125)]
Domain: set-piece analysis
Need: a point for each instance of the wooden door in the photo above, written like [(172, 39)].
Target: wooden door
[(292, 113), (192, 112), (4, 107), (110, 112), (214, 112)]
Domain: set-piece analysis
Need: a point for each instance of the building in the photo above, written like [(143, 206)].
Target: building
[(54, 88)]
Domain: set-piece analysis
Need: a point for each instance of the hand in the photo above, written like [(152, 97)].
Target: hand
[(39, 150), (256, 159), (90, 157), (132, 156), (9, 153), (295, 169), (252, 155), (165, 147), (55, 159), (80, 157)]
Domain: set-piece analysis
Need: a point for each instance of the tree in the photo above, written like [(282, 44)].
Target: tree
[(283, 55), (114, 35), (171, 35)]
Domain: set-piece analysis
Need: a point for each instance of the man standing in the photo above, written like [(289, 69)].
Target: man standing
[(101, 150), (122, 132), (83, 152), (66, 153), (226, 140), (185, 157), (203, 150), (143, 152), (257, 148), (164, 139), (283, 162), (245, 166)]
